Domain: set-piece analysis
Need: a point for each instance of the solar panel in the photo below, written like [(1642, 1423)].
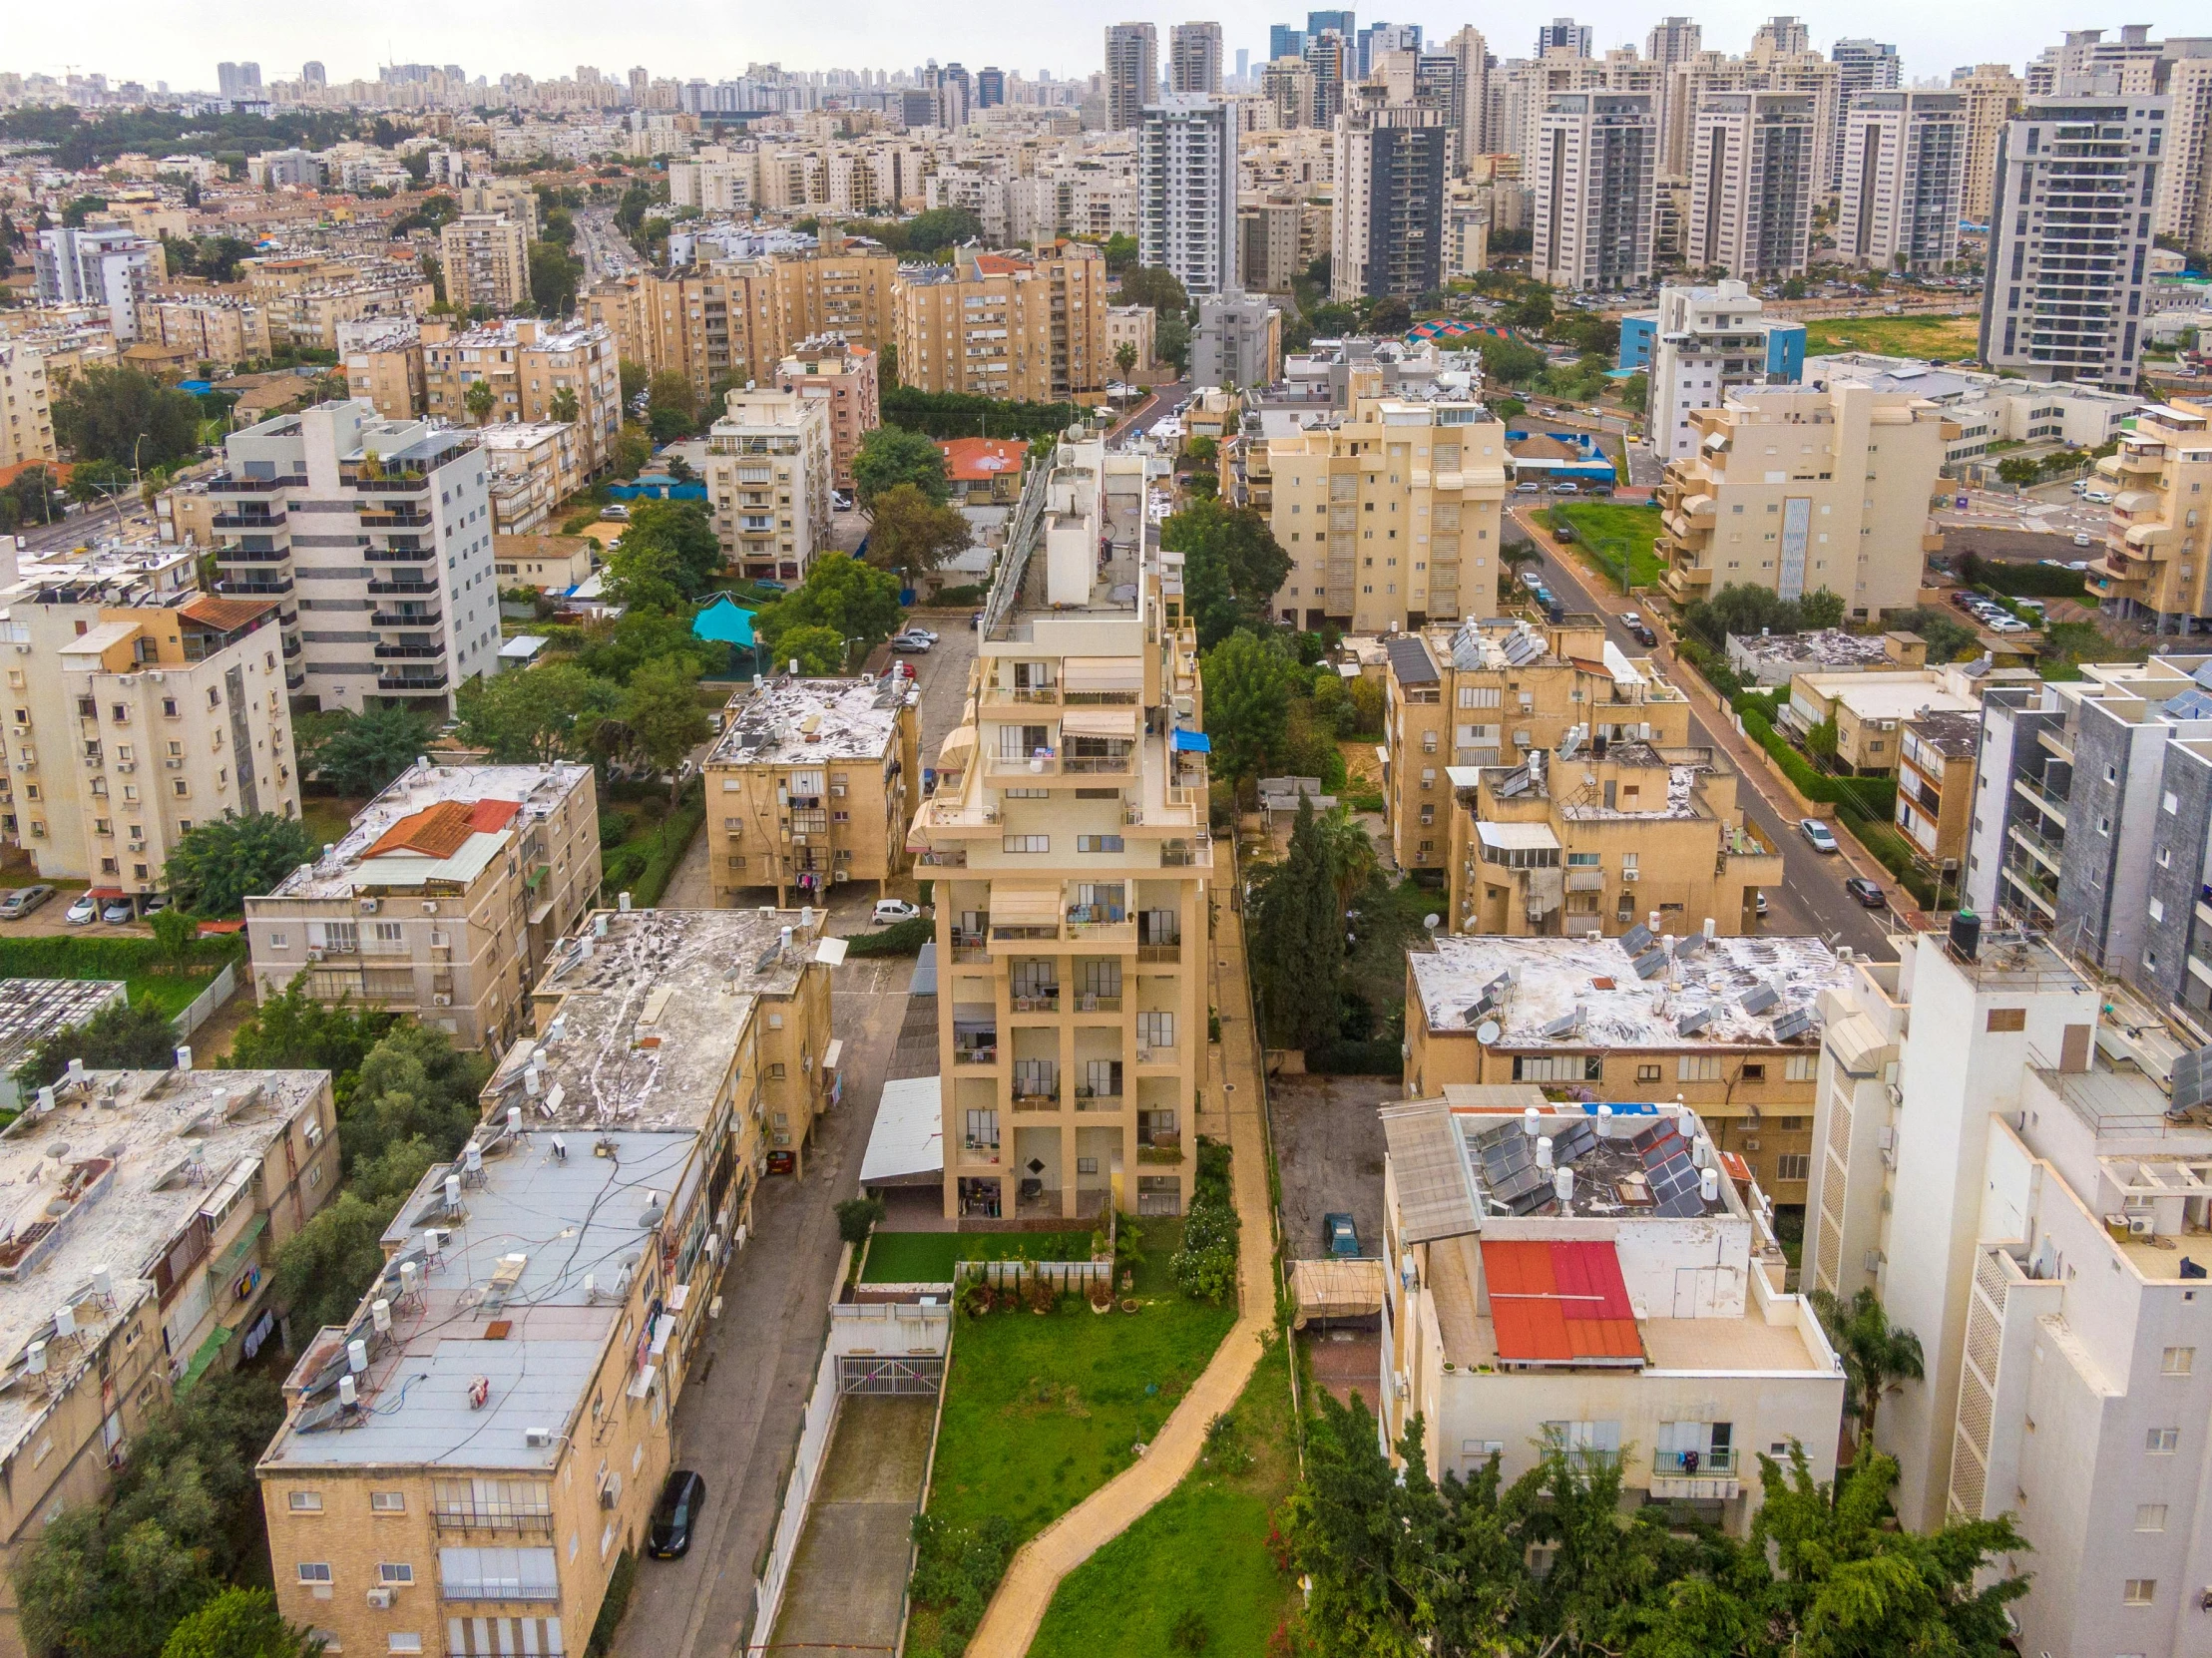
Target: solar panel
[(1522, 648), (1761, 998), (1682, 1206), (1693, 1022), (1566, 1025), (1657, 1144), (1689, 946), (1514, 783), (1672, 1179), (1650, 963), (1577, 1139), (1636, 939), (2193, 1080), (1795, 1022)]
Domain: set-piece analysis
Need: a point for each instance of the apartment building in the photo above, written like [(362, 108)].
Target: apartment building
[(1068, 840), (1007, 325), (535, 467), (27, 432), (2070, 237), (487, 263), (1729, 1025), (136, 706), (2185, 185), (137, 1263), (443, 899), (1132, 72), (811, 784), (1701, 343), (769, 470), (1536, 1307), (2010, 1149), (1239, 341), (536, 372), (1267, 235), (1490, 693), (1936, 789), (310, 317), (1596, 176), (846, 379), (1387, 211), (1186, 218), (374, 537), (1134, 326), (1796, 491), (1993, 93), (1194, 59), (551, 563), (1904, 180), (2157, 563), (106, 266), (1391, 515), (1869, 707), (1755, 177), (223, 332)]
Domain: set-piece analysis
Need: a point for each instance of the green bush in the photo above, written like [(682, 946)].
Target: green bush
[(618, 1584), (71, 955), (1342, 1059), (1204, 1266), (1872, 796), (956, 1571), (2010, 579), (971, 593), (901, 938)]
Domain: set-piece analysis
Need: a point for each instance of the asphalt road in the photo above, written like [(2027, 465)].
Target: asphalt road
[(602, 247), (1811, 900), (1164, 399)]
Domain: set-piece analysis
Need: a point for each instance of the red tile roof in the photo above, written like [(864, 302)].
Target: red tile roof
[(976, 460), (442, 830), (1559, 1303)]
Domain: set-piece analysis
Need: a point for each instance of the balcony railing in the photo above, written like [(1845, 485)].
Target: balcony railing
[(252, 554), (398, 555), (255, 590), (410, 682), (401, 590), (400, 518), (1043, 1002), (1719, 1462), (2053, 805), (976, 1055), (405, 619), (1160, 949), (226, 484), (414, 651), (250, 521), (533, 1521)]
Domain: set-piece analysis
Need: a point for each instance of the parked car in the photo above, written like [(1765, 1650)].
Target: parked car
[(20, 903), (1761, 905), (909, 643), (2081, 538), (676, 1515), (2079, 563), (1866, 892), (914, 632), (2102, 498), (1638, 628), (890, 910), (2007, 625), (1965, 598), (1817, 835), (1339, 1236), (1565, 489), (156, 905), (83, 911), (118, 911), (1564, 532), (1528, 489), (614, 512)]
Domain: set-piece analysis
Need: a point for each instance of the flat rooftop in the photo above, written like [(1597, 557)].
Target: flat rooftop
[(103, 1181), (790, 722), (651, 1012), (1902, 695), (1634, 992), (31, 1010), (1827, 648), (524, 1293)]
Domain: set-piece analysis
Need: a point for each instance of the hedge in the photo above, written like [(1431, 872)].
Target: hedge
[(1875, 797), (952, 414), (901, 938), (70, 955), (972, 593), (2008, 580), (1342, 1059)]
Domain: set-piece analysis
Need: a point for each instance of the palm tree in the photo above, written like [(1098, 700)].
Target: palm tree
[(1875, 1354), (1125, 357), (479, 399), (1349, 850), (563, 405)]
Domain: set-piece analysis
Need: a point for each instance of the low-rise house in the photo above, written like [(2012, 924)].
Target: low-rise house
[(1774, 659), (549, 563), (984, 472), (535, 466), (1870, 710)]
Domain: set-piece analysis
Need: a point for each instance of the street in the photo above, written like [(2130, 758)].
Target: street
[(605, 252)]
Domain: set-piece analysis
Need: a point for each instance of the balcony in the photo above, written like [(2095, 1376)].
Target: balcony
[(2047, 849), (2033, 883), (1160, 949), (2055, 740), (401, 590), (985, 1056), (252, 554), (226, 484), (400, 482), (1045, 1001), (411, 684), (1157, 1153), (529, 1521), (1089, 1001), (263, 588), (418, 652), (1035, 1101), (932, 858), (398, 555), (396, 517), (405, 619), (2053, 806), (267, 519)]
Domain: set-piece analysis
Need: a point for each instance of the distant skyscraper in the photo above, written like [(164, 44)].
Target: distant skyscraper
[(1187, 192), (1563, 33), (1329, 57), (238, 80), (1672, 38), (1378, 40), (1861, 66), (1285, 42), (1994, 94), (1387, 219), (1904, 175), (1752, 183), (990, 88), (1132, 72), (1194, 58), (311, 75), (640, 86), (1782, 37), (1243, 67), (1470, 94), (1341, 22)]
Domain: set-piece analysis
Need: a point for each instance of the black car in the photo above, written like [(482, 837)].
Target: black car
[(674, 1515), (1642, 633), (1866, 892)]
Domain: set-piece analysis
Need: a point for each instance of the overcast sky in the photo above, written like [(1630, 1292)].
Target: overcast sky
[(155, 40)]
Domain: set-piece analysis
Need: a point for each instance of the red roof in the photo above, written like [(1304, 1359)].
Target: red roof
[(442, 830), (977, 460), (1559, 1303)]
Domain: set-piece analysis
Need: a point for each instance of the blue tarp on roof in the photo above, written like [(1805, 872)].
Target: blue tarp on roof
[(1193, 743), (724, 619)]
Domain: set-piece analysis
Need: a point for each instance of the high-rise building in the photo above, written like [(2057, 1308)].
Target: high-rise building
[(1597, 161), (1239, 341), (768, 475), (844, 376), (1344, 23), (1007, 325), (1193, 59), (1471, 93), (238, 80), (312, 74), (24, 385), (1243, 69), (1287, 83), (528, 365), (487, 263), (2185, 185), (1329, 60), (1784, 37), (1387, 219), (1905, 164), (108, 266), (1285, 42), (1132, 72), (990, 88), (1378, 40), (1753, 183), (1993, 93), (955, 95), (1187, 192), (1697, 347), (2071, 239), (2155, 564), (1563, 34), (1862, 65), (1672, 38)]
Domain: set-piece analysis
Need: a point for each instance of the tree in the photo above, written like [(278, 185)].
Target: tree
[(222, 861), (1121, 254), (98, 479), (1510, 363), (1876, 1355), (1158, 287), (1391, 315), (415, 1085), (1171, 341), (239, 1623), (1232, 567), (360, 753), (2019, 470), (661, 707), (555, 276), (478, 400), (635, 377), (322, 1268), (1635, 392), (1299, 938), (633, 449), (563, 404), (175, 932), (840, 593), (121, 415), (817, 650), (1821, 609), (908, 532), (674, 406), (1125, 358), (685, 533), (291, 1030), (119, 1036), (1248, 687), (616, 652), (942, 228), (542, 715), (892, 455)]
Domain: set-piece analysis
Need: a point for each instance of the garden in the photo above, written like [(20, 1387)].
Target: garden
[(1616, 538)]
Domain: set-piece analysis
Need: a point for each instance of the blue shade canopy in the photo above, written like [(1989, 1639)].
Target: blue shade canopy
[(1193, 743)]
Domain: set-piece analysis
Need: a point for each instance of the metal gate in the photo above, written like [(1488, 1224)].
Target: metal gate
[(873, 1373)]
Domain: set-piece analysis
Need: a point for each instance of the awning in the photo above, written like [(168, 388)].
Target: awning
[(642, 1384), (958, 741), (1193, 742), (1099, 722), (538, 913), (104, 891), (1102, 673), (1024, 906), (1336, 1289), (1560, 1302), (1517, 837), (834, 1054), (907, 1145)]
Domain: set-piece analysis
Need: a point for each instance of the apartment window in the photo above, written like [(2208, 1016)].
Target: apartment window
[(307, 1502), (2140, 1591), (1697, 1068), (2162, 1441), (1155, 1029), (169, 708), (983, 1130), (394, 1573), (1647, 1073), (2177, 1361), (1754, 1071), (1097, 843), (276, 941), (403, 1643), (1026, 843), (1793, 1166), (1801, 1067), (1558, 1067), (390, 931), (180, 788), (315, 1571), (2150, 1516), (2006, 1019)]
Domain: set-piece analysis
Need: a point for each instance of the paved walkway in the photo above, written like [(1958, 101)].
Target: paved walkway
[(847, 1589), (1011, 1623)]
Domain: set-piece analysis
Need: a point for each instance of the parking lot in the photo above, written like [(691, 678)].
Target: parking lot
[(1329, 1148)]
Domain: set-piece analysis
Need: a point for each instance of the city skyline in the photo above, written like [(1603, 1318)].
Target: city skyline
[(157, 44)]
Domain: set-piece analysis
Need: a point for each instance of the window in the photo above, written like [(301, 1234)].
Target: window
[(305, 1502), (1026, 843), (1697, 1068), (2162, 1441), (983, 1130), (315, 1571), (1097, 843), (1647, 1073), (1793, 1166), (2150, 1516), (2140, 1591), (1755, 1070), (2177, 1361), (497, 1574), (403, 1643), (1155, 1029), (394, 1573), (2006, 1019), (1558, 1067), (1801, 1067)]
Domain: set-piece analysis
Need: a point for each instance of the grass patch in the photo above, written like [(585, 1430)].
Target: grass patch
[(901, 938), (171, 993), (326, 818), (1203, 1557), (928, 1257), (1600, 523), (1895, 336)]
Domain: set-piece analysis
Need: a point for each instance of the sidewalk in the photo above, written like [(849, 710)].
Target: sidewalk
[(1011, 1623)]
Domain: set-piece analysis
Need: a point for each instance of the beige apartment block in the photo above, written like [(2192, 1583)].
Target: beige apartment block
[(1638, 1018), (1134, 326), (1491, 693), (2157, 563), (487, 263), (1391, 516), (1869, 710), (535, 467), (1796, 490), (549, 562), (383, 366), (1007, 325), (535, 370), (135, 706), (811, 784), (442, 900), (1994, 94), (312, 317), (838, 289), (138, 1261), (1615, 1288), (845, 377), (1574, 841), (1934, 789), (26, 414), (215, 329), (1068, 842), (769, 471)]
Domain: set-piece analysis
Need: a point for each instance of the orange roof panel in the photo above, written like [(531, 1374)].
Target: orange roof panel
[(1559, 1303), (442, 830)]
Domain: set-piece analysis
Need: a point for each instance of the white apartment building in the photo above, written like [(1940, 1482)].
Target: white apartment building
[(1754, 180), (26, 431), (2013, 1158), (1706, 342), (1904, 180), (374, 537), (1594, 180), (769, 469), (109, 267), (1187, 192), (2071, 239), (1601, 1277), (136, 707)]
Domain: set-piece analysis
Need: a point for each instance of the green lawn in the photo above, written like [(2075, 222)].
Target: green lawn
[(928, 1257), (1597, 523), (328, 818), (1200, 1554), (1949, 338), (171, 993)]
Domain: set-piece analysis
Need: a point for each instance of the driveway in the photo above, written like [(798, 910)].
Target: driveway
[(1329, 1148)]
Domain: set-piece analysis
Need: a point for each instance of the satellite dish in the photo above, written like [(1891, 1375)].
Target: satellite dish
[(1489, 1032), (1430, 921)]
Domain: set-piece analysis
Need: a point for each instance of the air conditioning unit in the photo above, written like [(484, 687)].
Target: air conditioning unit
[(839, 876), (126, 765), (1875, 1258), (381, 1599), (1628, 876), (20, 730), (1751, 1145), (2139, 1224), (441, 1000), (610, 1489), (174, 763), (368, 906), (429, 909), (314, 953)]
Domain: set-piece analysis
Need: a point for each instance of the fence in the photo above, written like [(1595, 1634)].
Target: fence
[(219, 990), (1068, 1277), (799, 1497)]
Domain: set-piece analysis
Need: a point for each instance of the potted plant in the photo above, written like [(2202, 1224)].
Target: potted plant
[(1101, 1295)]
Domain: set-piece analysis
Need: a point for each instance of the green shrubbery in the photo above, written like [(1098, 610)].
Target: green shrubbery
[(901, 938), (1205, 1265), (956, 1571)]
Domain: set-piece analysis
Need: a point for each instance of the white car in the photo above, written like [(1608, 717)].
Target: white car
[(83, 911), (2102, 498), (911, 643), (891, 910), (922, 634), (2007, 625), (1817, 835)]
